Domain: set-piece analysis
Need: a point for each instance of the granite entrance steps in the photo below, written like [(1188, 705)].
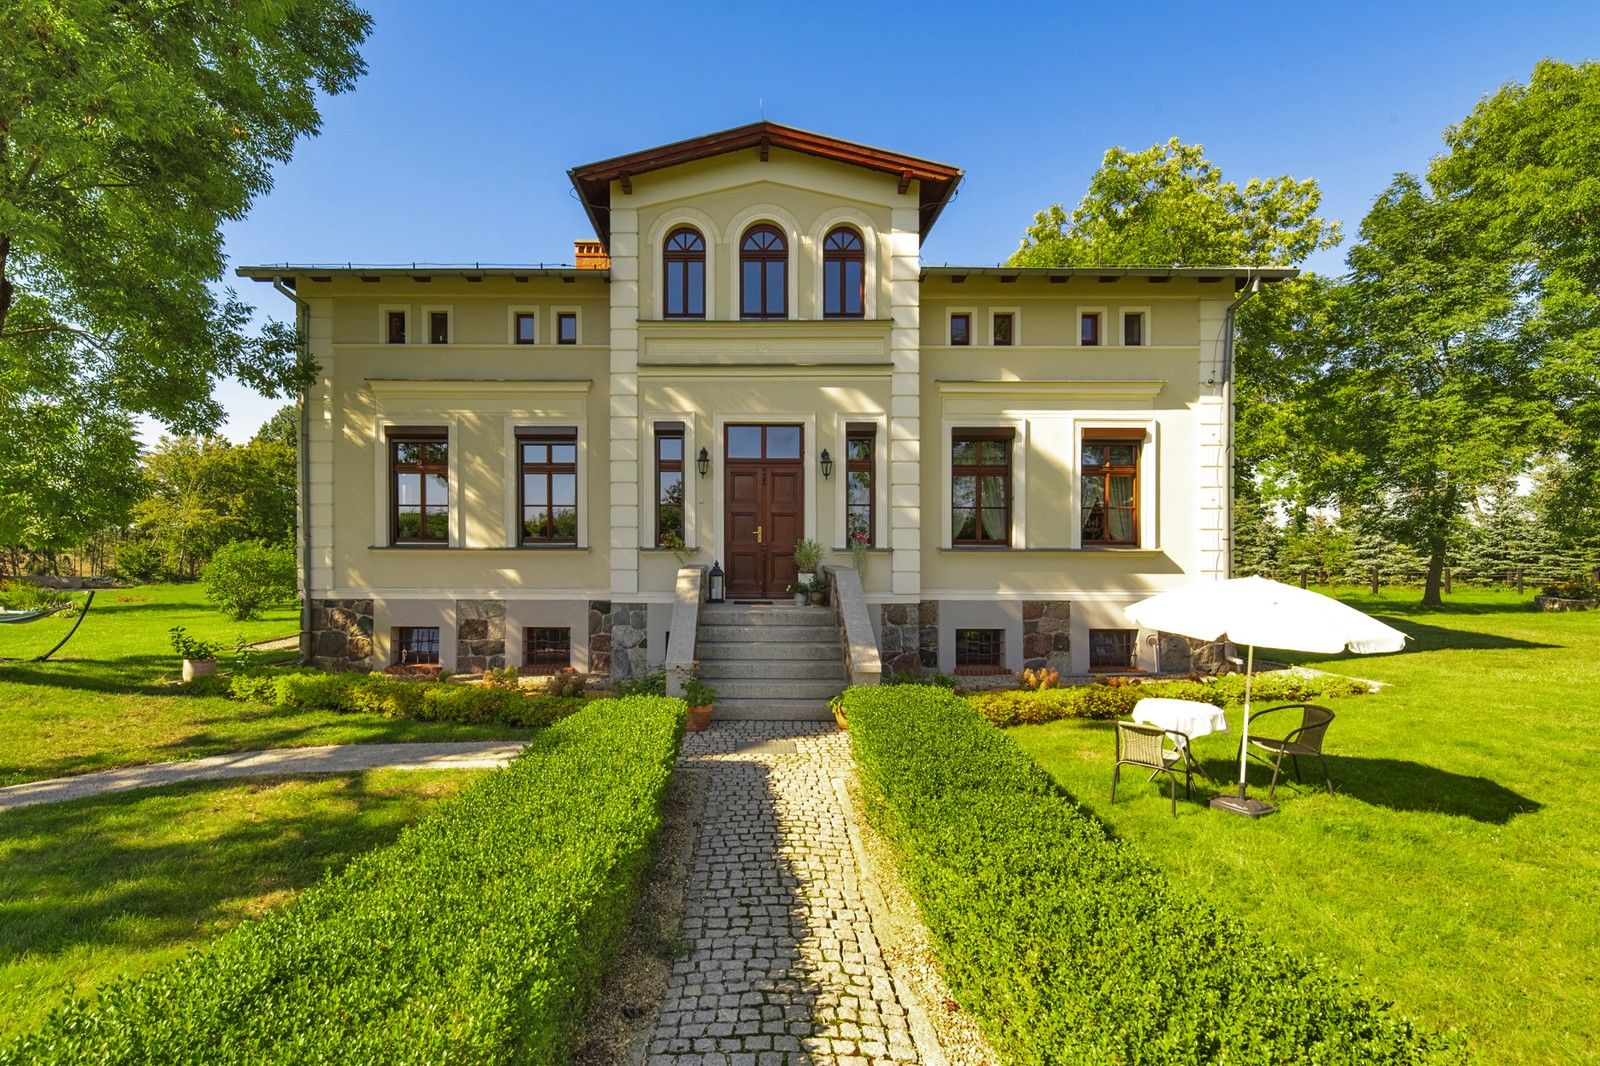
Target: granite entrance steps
[(771, 662)]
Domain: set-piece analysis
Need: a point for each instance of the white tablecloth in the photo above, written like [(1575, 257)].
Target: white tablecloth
[(1185, 716)]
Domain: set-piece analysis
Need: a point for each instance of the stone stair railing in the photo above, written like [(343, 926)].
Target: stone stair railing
[(683, 630), (860, 646)]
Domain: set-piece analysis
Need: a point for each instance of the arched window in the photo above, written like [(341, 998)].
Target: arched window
[(763, 273), (843, 274), (684, 268)]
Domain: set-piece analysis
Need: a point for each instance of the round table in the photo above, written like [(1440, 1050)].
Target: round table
[(1190, 717)]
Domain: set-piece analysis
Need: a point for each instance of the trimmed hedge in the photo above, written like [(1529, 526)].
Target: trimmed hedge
[(1013, 707), (478, 936), (1067, 945), (426, 701)]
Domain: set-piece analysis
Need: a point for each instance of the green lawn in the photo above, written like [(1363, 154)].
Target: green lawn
[(108, 698), (102, 888), (1457, 871)]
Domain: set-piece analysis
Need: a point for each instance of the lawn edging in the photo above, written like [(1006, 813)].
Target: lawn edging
[(478, 935), (1066, 944)]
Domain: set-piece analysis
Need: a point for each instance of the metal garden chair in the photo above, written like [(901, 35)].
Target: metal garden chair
[(1155, 749), (1305, 740)]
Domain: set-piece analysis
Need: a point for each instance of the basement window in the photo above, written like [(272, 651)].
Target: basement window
[(980, 651), (1113, 650), (547, 648), (416, 646)]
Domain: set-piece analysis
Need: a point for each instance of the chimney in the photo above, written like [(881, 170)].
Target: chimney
[(590, 255)]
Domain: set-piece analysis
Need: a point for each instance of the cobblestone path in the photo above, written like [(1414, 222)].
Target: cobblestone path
[(781, 964)]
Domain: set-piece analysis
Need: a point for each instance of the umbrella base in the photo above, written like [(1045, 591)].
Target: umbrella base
[(1241, 805)]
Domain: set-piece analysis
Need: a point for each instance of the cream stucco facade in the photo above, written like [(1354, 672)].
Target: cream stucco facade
[(473, 372)]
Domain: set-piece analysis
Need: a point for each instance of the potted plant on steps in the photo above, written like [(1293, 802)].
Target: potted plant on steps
[(807, 557), (701, 698), (801, 590), (199, 656)]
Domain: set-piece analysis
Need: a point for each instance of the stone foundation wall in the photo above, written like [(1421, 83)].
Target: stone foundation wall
[(619, 639), (1184, 655), (480, 636), (1046, 635), (341, 635), (908, 637)]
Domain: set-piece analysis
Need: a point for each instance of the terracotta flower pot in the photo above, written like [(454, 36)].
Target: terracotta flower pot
[(699, 718), (838, 718)]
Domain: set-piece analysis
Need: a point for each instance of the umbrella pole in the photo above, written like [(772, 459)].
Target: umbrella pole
[(1239, 804), (1244, 730)]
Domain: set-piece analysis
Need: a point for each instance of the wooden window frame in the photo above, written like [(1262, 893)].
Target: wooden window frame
[(764, 256), (682, 257), (966, 318), (1143, 315), (1130, 666), (993, 661), (516, 327), (868, 432), (671, 431), (428, 316), (390, 314), (994, 326), (838, 260), (424, 436), (559, 435), (1008, 437), (532, 635), (1105, 472), (563, 317), (398, 638), (1099, 318)]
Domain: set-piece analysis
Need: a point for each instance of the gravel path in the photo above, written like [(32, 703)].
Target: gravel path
[(325, 759), (782, 963)]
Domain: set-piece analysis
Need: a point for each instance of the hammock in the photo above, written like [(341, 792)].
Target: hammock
[(19, 617)]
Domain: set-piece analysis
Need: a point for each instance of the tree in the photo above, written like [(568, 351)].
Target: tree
[(1257, 540), (202, 492), (245, 576), (282, 428), (130, 130), (1522, 168), (1169, 206)]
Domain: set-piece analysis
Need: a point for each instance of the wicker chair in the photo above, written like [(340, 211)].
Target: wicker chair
[(1304, 740), (1156, 749)]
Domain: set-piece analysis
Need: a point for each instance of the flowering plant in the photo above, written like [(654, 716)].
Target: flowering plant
[(859, 544)]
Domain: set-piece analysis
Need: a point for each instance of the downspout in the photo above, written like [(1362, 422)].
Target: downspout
[(302, 326), (1252, 286)]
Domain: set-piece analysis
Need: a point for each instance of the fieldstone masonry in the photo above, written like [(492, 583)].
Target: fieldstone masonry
[(908, 638), (1184, 655), (480, 635), (618, 639), (341, 635), (782, 964), (1045, 632)]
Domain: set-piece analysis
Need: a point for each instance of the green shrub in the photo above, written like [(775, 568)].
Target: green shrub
[(1574, 589), (649, 685), (1014, 707), (478, 936), (428, 701), (142, 561), (27, 596), (1068, 945), (247, 575)]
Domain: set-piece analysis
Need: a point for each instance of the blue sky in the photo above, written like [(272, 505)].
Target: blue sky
[(455, 146)]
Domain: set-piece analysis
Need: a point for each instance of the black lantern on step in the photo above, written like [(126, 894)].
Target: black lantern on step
[(827, 464), (716, 584)]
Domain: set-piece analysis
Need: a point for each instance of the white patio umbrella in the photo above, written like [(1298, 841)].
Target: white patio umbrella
[(1252, 611)]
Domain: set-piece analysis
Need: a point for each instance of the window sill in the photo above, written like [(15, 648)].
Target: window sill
[(845, 549), (492, 548), (1090, 550), (656, 549)]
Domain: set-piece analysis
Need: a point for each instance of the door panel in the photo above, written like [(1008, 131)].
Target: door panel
[(764, 508)]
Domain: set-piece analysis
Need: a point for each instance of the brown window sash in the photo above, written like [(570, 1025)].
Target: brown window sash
[(1089, 329), (1103, 473), (841, 248), (863, 434), (532, 334), (396, 327), (665, 524), (680, 252), (776, 251), (961, 329), (1008, 335), (979, 471), (564, 334), (549, 470), (422, 437)]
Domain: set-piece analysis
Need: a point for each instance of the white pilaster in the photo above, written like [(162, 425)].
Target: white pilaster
[(623, 399), (905, 421)]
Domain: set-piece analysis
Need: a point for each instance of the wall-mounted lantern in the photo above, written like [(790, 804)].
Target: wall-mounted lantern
[(703, 463), (827, 464), (716, 584)]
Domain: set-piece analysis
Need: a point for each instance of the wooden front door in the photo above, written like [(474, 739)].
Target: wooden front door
[(764, 508)]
